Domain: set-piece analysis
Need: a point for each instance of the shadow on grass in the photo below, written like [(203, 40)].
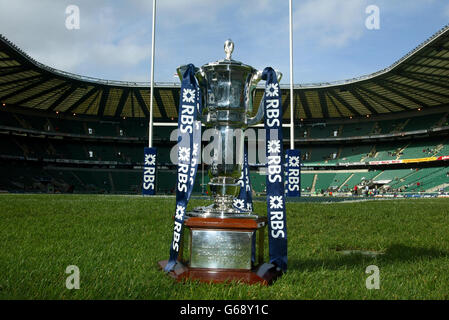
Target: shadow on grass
[(395, 253)]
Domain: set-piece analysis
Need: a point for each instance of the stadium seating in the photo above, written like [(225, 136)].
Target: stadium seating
[(357, 129), (307, 181), (358, 177), (68, 126), (386, 151), (339, 179), (393, 175), (321, 131), (9, 119), (324, 181), (258, 182), (423, 122), (38, 147), (318, 154), (139, 128), (128, 181), (420, 149), (10, 147), (413, 177), (389, 126), (440, 178), (134, 128), (163, 133), (354, 153), (442, 149)]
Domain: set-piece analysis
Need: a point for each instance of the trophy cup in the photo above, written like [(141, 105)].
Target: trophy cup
[(222, 241)]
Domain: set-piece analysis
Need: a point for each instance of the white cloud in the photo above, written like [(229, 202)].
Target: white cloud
[(181, 12), (446, 11), (331, 22), (105, 40), (115, 36), (121, 54)]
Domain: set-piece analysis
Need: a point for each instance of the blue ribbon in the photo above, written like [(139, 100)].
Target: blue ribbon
[(277, 222), (189, 144)]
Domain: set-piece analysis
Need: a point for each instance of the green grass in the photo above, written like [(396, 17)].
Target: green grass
[(116, 241)]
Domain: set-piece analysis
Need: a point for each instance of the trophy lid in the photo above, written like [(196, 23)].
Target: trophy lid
[(228, 61)]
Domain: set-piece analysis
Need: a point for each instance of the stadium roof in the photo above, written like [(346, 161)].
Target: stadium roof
[(418, 80)]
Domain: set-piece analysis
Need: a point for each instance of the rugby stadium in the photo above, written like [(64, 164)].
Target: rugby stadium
[(63, 132), (374, 175)]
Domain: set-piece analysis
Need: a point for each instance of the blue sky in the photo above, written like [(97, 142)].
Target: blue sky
[(331, 41)]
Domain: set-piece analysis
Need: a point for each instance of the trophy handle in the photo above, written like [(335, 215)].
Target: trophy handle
[(260, 112), (259, 115), (278, 75)]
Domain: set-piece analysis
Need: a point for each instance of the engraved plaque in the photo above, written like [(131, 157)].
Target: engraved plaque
[(221, 249)]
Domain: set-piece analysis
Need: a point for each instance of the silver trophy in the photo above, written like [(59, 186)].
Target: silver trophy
[(228, 89), (217, 247)]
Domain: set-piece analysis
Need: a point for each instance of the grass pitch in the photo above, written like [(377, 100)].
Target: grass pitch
[(116, 242)]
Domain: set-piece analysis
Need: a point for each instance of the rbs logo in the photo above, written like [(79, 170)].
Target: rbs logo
[(293, 173), (149, 178), (149, 172)]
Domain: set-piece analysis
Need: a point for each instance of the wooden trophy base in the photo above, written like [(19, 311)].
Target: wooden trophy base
[(193, 269), (182, 272)]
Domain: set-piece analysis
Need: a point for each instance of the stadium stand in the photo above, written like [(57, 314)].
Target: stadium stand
[(357, 178), (97, 148), (307, 179), (61, 132), (361, 129), (354, 153)]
